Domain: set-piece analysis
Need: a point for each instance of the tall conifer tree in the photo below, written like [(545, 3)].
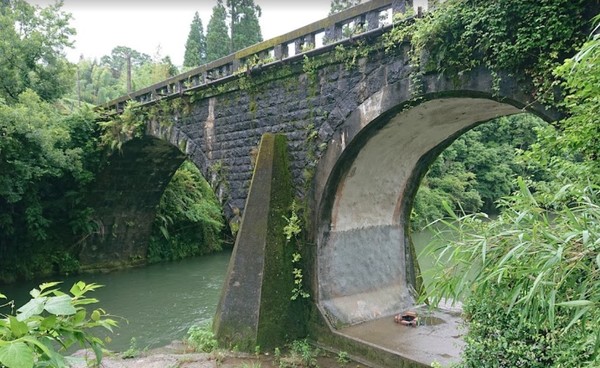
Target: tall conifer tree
[(243, 23), (195, 46), (217, 36)]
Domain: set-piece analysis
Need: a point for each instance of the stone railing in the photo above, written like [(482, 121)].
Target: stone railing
[(318, 37)]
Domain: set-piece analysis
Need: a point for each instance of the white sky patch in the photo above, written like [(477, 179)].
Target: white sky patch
[(160, 28)]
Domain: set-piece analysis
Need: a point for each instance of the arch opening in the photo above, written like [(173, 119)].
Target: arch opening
[(365, 268), (127, 193)]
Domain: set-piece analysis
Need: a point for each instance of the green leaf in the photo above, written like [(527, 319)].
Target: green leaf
[(34, 341), (17, 327), (34, 293), (79, 316), (48, 322), (2, 296), (575, 303), (16, 354), (97, 348), (60, 305), (576, 317), (76, 288), (47, 285), (33, 307)]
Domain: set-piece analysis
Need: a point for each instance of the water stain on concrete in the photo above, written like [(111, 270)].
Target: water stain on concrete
[(438, 337)]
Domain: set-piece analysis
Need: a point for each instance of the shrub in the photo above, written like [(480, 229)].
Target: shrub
[(49, 324), (201, 338)]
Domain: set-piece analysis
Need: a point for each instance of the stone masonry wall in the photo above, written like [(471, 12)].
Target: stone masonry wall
[(226, 129)]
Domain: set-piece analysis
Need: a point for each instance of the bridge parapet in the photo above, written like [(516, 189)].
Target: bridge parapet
[(315, 38)]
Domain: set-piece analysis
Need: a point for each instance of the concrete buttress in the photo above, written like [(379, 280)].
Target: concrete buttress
[(255, 307)]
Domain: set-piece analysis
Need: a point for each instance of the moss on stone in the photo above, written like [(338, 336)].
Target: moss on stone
[(257, 310)]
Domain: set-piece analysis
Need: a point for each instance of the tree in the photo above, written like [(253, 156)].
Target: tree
[(195, 46), (117, 60), (477, 169), (153, 72), (189, 219), (339, 5), (243, 23), (31, 44), (96, 83), (217, 37)]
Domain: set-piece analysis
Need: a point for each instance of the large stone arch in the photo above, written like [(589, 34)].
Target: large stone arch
[(367, 179)]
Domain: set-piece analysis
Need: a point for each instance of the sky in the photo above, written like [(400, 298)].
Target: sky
[(160, 27)]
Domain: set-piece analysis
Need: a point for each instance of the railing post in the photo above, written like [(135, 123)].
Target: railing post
[(401, 6), (372, 19), (333, 33), (298, 42), (309, 40), (235, 65), (278, 52)]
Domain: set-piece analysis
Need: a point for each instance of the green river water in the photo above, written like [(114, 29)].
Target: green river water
[(159, 303), (155, 304)]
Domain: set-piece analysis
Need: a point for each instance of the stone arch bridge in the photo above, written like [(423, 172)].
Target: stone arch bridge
[(360, 136)]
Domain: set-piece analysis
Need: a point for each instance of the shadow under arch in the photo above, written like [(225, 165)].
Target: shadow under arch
[(126, 193), (366, 182)]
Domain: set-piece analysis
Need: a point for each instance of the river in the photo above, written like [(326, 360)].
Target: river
[(157, 304)]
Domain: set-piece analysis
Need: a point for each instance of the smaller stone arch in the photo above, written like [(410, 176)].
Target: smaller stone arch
[(367, 179), (126, 194)]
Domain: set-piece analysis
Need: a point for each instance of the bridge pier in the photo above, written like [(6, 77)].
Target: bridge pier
[(255, 307)]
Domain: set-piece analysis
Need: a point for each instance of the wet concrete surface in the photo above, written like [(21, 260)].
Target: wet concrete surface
[(438, 337)]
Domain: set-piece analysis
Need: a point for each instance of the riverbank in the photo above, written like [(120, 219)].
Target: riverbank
[(179, 355)]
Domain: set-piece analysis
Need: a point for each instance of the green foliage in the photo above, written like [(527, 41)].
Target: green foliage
[(291, 230), (293, 227), (238, 18), (195, 46), (96, 83), (527, 38), (122, 127), (202, 339), (342, 358), (32, 46), (119, 57), (580, 133), (477, 169), (133, 351), (298, 289), (45, 161), (32, 123), (339, 5), (189, 219), (217, 36), (301, 354), (48, 325), (100, 82), (530, 279), (243, 25)]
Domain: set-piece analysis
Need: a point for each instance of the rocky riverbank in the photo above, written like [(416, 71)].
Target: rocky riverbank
[(178, 355), (175, 355)]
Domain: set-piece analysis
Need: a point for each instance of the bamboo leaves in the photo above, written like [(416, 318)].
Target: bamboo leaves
[(539, 260)]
